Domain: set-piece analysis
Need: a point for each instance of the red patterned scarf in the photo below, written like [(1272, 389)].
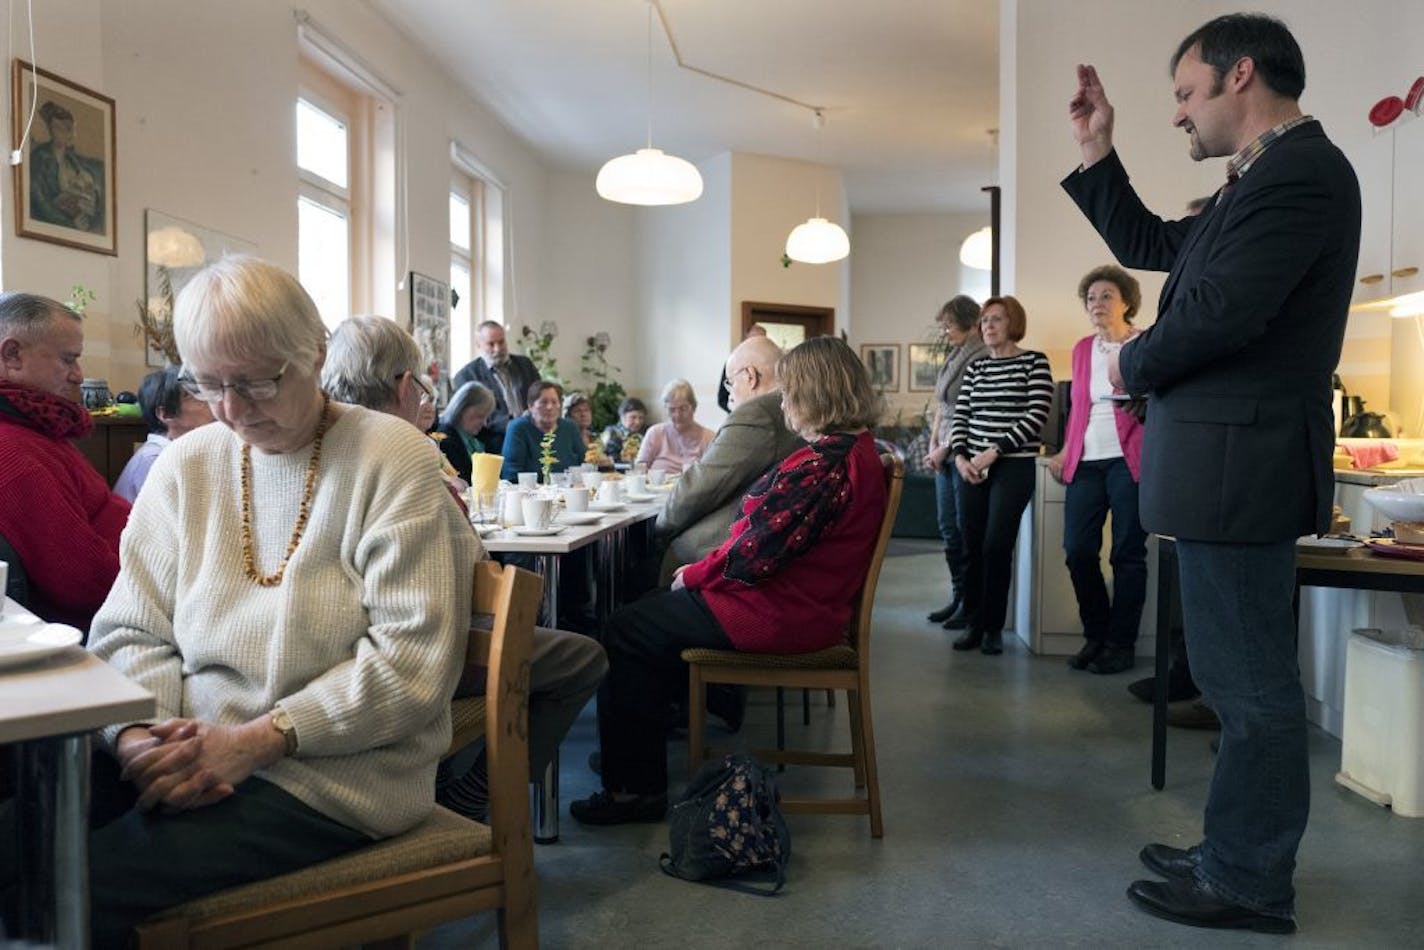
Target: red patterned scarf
[(46, 413)]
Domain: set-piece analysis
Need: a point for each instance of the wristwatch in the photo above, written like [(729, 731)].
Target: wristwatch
[(283, 724)]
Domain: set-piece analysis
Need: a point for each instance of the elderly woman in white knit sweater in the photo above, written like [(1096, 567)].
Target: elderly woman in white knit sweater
[(294, 589)]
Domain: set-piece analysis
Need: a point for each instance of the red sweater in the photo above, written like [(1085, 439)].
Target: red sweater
[(55, 510), (785, 578)]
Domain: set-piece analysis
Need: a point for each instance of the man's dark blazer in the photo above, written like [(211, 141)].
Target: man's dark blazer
[(1249, 328), (523, 374)]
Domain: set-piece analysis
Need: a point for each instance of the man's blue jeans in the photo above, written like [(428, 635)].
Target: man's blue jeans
[(1241, 640)]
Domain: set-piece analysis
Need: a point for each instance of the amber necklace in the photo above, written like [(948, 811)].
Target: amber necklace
[(249, 554)]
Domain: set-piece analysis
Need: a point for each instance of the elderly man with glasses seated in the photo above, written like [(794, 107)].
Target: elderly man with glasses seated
[(372, 362)]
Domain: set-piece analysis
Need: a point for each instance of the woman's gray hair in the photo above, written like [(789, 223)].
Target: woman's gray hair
[(472, 395), (365, 357), (679, 387), (249, 310)]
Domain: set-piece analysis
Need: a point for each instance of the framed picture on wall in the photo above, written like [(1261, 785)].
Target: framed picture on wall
[(64, 184), (882, 361), (925, 361), (430, 325)]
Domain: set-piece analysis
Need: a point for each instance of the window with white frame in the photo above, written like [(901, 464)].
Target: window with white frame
[(476, 254), (346, 203)]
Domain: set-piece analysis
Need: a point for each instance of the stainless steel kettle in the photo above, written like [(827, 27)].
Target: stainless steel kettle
[(1366, 425)]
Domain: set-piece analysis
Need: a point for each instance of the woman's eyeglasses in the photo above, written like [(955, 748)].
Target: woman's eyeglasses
[(212, 390), (427, 395)]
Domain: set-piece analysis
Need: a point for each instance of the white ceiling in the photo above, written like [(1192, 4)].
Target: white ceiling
[(909, 87)]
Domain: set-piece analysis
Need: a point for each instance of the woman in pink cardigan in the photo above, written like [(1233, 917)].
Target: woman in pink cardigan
[(783, 582), (1101, 464)]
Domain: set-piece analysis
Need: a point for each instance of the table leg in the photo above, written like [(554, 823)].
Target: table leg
[(52, 816), (546, 789), (1166, 585)]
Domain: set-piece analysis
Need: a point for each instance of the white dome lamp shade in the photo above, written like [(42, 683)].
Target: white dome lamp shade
[(977, 251), (817, 241), (649, 176)]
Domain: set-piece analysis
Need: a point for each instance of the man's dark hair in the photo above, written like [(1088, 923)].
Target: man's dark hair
[(1222, 42)]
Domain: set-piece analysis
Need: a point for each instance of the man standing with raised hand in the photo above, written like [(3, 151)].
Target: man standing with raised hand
[(1236, 454)]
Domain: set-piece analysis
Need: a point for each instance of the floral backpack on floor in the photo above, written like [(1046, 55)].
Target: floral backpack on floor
[(728, 823)]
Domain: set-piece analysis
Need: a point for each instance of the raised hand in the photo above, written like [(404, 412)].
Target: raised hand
[(1091, 116)]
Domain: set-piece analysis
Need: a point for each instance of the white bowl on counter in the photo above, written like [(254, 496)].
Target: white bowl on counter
[(1402, 501)]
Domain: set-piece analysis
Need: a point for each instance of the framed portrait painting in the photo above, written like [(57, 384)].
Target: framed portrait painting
[(64, 184), (925, 362), (430, 325), (882, 362)]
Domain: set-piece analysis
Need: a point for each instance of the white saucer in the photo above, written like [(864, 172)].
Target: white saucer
[(640, 496), (524, 531), (606, 506), (25, 641), (580, 517)]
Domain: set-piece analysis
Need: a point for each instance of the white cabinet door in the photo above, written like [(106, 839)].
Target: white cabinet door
[(1407, 260), (1374, 167)]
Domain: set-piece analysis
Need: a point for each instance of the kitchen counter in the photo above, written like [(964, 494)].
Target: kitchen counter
[(1373, 479)]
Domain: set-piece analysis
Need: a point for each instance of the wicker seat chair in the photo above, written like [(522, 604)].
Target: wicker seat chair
[(845, 666), (445, 868)]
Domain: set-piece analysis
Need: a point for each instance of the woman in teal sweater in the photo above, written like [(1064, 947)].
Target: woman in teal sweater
[(525, 435)]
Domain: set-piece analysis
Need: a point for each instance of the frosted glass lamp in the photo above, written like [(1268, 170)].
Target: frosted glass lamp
[(817, 241), (649, 177)]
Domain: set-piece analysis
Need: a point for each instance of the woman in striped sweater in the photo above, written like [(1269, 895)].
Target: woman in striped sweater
[(994, 437)]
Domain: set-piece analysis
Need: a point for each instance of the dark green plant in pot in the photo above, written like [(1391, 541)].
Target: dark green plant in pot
[(604, 392)]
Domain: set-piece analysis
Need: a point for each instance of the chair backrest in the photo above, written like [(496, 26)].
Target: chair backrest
[(17, 584), (512, 596), (894, 464)]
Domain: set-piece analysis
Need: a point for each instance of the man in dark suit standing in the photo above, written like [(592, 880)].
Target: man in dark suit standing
[(1236, 455), (507, 375)]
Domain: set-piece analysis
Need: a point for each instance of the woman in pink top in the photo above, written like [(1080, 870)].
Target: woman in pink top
[(783, 581), (674, 445), (1101, 464)]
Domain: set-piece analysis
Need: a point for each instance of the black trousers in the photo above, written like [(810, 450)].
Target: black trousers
[(991, 511), (143, 862), (644, 641)]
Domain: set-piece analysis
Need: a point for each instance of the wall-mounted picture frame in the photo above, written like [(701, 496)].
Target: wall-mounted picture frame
[(430, 325), (882, 362), (65, 184), (925, 360)]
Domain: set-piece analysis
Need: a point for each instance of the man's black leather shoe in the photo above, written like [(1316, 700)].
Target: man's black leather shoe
[(1195, 904), (1168, 861), (968, 640)]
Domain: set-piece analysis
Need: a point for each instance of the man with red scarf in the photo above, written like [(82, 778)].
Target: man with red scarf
[(56, 511)]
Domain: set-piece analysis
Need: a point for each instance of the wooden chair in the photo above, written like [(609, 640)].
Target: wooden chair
[(444, 869), (846, 667)]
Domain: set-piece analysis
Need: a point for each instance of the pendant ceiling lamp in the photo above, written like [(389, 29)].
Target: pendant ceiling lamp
[(817, 241), (649, 176)]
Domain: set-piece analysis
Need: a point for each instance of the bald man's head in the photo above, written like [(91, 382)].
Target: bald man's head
[(751, 369)]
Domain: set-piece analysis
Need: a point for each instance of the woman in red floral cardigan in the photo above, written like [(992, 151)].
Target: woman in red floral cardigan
[(783, 581)]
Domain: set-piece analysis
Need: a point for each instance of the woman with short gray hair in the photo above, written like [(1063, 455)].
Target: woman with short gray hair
[(673, 445)]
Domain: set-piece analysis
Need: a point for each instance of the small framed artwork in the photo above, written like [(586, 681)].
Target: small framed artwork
[(882, 361), (925, 362), (430, 325), (64, 186)]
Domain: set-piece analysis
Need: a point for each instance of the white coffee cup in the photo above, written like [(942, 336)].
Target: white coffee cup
[(656, 477), (591, 480), (637, 484), (576, 499), (538, 512), (513, 511), (528, 479), (608, 493)]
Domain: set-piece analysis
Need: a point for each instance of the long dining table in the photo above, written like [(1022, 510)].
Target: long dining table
[(608, 539)]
